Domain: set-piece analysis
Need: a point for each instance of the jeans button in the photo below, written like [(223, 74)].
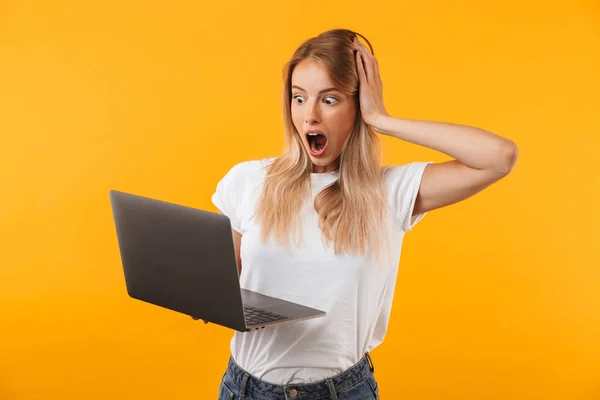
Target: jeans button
[(293, 393)]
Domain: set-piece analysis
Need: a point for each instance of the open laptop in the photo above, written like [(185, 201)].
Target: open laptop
[(183, 259)]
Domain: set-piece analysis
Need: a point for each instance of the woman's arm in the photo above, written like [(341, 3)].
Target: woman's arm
[(480, 158)]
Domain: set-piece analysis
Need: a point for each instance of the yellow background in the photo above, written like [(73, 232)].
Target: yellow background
[(497, 297)]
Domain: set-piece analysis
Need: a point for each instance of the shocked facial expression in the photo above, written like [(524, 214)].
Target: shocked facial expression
[(323, 116)]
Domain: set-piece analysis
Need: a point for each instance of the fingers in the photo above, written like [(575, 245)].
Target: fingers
[(371, 65), (360, 67), (369, 61), (362, 47)]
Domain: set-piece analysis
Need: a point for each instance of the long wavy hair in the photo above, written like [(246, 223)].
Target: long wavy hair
[(352, 209)]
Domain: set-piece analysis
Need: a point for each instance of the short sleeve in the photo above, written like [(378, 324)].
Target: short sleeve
[(226, 196), (402, 184)]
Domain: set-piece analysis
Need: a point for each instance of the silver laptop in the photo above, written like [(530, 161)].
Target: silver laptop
[(183, 259)]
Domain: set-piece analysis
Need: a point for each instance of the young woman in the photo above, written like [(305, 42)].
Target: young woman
[(322, 224)]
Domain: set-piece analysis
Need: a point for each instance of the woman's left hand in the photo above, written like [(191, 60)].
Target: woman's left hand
[(370, 86)]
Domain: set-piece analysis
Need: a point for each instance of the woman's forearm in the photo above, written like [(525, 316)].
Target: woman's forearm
[(472, 146)]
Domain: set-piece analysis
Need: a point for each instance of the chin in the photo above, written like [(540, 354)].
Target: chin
[(321, 161), (324, 162)]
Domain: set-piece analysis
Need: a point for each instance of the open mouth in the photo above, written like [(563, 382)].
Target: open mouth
[(316, 142)]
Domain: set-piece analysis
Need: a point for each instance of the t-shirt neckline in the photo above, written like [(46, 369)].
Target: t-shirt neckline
[(321, 176)]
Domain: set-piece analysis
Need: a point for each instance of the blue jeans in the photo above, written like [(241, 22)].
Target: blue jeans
[(357, 382)]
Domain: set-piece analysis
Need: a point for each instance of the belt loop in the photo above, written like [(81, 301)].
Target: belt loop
[(243, 384), (368, 357), (332, 392)]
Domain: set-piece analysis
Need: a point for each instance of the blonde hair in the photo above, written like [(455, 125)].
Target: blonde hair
[(352, 209)]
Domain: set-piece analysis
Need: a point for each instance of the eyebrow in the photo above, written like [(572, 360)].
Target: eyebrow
[(322, 91)]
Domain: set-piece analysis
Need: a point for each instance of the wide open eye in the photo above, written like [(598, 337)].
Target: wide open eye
[(331, 102)]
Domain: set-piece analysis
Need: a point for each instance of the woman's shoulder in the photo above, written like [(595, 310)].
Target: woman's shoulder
[(253, 166), (391, 171), (250, 169), (403, 174)]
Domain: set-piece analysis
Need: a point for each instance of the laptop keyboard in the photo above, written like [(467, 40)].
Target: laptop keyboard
[(256, 316)]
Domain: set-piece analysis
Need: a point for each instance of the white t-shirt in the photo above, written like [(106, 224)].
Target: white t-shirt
[(355, 293)]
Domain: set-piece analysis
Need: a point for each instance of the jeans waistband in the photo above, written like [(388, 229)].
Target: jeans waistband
[(328, 387)]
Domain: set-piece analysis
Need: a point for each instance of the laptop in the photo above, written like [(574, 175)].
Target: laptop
[(183, 259)]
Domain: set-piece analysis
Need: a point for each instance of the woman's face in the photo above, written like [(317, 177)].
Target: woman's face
[(317, 108)]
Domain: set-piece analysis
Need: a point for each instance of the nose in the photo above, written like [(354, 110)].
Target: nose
[(311, 113)]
